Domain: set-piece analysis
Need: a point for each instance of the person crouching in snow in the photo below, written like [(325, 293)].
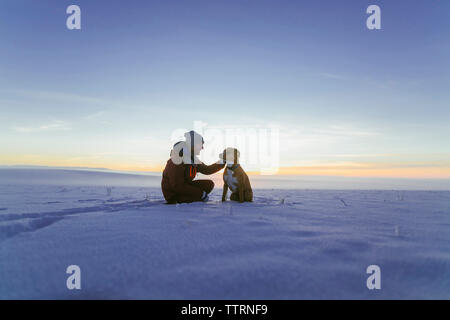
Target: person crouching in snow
[(178, 184)]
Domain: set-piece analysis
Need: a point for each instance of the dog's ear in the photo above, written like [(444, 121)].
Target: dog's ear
[(236, 155), (223, 155)]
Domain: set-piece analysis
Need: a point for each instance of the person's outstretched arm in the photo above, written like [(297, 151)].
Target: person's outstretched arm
[(213, 168)]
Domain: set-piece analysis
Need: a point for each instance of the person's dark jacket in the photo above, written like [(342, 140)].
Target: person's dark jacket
[(176, 179)]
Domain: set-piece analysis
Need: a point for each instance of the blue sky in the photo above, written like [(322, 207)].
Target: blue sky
[(112, 93)]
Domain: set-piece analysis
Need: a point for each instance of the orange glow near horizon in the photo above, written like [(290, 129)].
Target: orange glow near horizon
[(374, 170)]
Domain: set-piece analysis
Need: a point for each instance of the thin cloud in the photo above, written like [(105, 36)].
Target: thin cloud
[(331, 76), (59, 96), (97, 117), (56, 125)]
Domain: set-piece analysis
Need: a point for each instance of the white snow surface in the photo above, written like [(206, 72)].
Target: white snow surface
[(287, 244)]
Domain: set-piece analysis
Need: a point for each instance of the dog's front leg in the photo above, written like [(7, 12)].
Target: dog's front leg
[(225, 190), (241, 194)]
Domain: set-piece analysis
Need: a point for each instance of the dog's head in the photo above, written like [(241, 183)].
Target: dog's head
[(230, 155)]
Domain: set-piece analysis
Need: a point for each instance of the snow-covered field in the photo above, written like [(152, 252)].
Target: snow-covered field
[(288, 244)]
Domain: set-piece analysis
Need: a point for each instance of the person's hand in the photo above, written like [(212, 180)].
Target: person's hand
[(220, 161)]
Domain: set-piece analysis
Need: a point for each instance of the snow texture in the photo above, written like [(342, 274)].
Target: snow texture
[(287, 244)]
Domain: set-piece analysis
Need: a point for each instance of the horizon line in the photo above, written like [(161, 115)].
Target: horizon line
[(283, 171)]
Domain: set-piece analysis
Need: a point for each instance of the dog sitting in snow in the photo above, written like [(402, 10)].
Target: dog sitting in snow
[(235, 178)]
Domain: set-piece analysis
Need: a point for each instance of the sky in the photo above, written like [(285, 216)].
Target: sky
[(338, 98)]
